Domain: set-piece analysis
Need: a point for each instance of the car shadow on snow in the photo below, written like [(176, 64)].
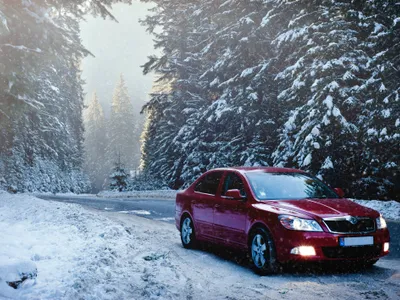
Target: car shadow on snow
[(242, 259)]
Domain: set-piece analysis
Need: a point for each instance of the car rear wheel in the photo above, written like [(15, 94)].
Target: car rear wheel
[(262, 252), (188, 236)]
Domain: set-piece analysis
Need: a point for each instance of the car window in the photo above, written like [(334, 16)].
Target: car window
[(209, 184), (274, 186), (233, 182)]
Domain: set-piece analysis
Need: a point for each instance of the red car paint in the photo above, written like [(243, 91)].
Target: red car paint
[(228, 222)]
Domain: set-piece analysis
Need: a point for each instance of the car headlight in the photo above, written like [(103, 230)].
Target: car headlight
[(294, 223), (381, 223)]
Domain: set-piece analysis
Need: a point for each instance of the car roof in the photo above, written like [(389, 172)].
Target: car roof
[(262, 169)]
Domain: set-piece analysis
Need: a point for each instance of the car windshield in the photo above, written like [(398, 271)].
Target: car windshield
[(274, 186)]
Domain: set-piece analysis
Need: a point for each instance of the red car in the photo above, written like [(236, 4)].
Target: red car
[(279, 215)]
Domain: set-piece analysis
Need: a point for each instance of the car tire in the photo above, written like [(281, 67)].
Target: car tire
[(262, 252), (188, 236)]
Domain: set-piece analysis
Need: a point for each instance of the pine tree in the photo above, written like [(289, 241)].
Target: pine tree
[(323, 62), (119, 178), (379, 123), (121, 129), (95, 144), (331, 84)]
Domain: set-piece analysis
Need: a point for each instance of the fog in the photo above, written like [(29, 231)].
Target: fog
[(118, 48)]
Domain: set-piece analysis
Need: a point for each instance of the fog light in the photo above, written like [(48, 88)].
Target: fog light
[(303, 251), (385, 247)]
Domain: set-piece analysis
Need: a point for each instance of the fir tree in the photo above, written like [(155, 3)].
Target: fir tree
[(95, 144), (119, 178), (122, 138)]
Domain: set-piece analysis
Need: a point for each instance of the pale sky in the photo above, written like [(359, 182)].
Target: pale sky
[(118, 48)]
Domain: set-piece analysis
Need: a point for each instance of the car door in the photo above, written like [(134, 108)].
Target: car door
[(230, 215), (203, 203)]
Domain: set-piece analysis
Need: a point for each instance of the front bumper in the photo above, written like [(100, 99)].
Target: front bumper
[(327, 246)]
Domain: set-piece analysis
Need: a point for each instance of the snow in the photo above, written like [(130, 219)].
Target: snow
[(4, 21), (12, 270), (214, 82), (386, 113), (23, 48), (253, 96), (328, 164), (348, 75), (225, 3), (336, 112), (77, 253), (389, 209), (315, 131), (87, 254), (247, 72), (307, 160), (378, 28), (328, 102), (372, 131), (291, 34), (136, 212), (247, 20), (161, 194), (333, 86)]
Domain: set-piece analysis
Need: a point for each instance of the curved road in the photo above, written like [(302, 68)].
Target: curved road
[(164, 210)]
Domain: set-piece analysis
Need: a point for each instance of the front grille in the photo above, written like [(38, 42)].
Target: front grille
[(345, 226), (352, 252)]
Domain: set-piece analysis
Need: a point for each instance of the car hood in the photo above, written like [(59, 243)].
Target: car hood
[(322, 208)]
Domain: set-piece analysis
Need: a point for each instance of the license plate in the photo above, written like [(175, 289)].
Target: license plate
[(356, 241)]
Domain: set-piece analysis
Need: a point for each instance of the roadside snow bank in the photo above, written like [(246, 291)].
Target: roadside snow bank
[(161, 194), (389, 209), (13, 270), (61, 194), (76, 252)]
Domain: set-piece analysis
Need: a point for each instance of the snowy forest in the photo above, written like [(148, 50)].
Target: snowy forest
[(306, 84), (112, 142), (313, 85), (41, 94)]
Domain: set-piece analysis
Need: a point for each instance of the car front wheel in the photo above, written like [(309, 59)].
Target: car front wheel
[(188, 236), (262, 252)]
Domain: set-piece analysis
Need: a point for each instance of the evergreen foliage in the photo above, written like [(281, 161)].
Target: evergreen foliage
[(41, 96), (122, 128), (306, 84), (119, 135), (95, 144), (119, 178)]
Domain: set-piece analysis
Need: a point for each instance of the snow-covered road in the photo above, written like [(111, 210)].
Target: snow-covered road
[(86, 254)]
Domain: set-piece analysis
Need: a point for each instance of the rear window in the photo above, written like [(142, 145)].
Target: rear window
[(209, 183)]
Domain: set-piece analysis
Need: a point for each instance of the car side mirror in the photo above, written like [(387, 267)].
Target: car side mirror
[(339, 191), (234, 195)]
